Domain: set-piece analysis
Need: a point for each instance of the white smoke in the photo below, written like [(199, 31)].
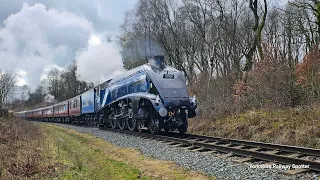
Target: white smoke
[(99, 62), (37, 37), (49, 99)]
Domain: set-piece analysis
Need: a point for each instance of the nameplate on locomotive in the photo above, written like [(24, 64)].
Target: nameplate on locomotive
[(168, 76)]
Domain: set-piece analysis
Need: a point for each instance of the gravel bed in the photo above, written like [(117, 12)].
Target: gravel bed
[(206, 163)]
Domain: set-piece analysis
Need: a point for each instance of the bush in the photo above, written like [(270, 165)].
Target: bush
[(214, 96), (308, 75), (4, 113), (272, 85)]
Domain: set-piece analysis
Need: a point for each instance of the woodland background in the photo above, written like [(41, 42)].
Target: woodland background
[(237, 55)]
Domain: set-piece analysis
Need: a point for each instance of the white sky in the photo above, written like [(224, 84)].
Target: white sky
[(37, 35)]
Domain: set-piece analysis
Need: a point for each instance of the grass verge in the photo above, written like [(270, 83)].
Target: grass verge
[(294, 126), (82, 156), (32, 151)]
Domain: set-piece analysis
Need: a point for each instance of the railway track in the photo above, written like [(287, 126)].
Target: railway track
[(304, 159)]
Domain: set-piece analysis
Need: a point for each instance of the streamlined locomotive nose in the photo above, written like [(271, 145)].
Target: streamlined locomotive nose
[(176, 102)]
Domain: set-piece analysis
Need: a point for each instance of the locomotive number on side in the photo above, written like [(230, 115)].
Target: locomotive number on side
[(168, 76)]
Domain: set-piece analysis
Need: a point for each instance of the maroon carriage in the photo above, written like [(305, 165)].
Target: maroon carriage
[(61, 109), (75, 106), (47, 111)]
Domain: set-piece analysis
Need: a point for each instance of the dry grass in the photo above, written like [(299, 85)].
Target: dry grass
[(292, 126), (19, 146)]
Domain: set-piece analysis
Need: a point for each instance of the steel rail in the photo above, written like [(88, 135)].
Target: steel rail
[(284, 148), (282, 159)]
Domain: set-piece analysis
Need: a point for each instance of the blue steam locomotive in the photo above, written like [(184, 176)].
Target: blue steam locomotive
[(150, 97)]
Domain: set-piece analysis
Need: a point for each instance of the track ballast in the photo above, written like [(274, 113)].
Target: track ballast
[(250, 150)]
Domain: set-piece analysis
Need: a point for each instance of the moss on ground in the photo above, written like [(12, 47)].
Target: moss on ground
[(294, 126)]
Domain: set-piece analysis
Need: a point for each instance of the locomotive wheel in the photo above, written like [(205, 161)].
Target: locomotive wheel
[(93, 120), (122, 124), (131, 124), (113, 122), (166, 129), (105, 122), (87, 121), (154, 127), (96, 121), (183, 128), (140, 126)]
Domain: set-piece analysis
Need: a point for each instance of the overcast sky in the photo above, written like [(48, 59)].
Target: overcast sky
[(37, 35)]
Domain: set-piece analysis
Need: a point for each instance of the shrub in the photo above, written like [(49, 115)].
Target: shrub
[(308, 75)]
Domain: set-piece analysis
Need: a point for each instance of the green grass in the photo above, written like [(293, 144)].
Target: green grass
[(82, 156), (77, 159)]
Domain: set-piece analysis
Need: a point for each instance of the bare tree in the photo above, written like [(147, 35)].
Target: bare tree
[(65, 84), (258, 26), (307, 15), (7, 85)]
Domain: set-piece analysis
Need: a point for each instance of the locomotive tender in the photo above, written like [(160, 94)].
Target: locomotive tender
[(152, 96)]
